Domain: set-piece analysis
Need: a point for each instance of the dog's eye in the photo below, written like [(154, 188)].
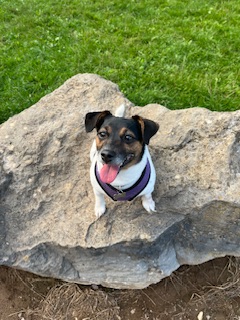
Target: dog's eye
[(128, 138), (102, 134)]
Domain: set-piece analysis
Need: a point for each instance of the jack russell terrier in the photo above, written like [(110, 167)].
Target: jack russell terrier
[(121, 165)]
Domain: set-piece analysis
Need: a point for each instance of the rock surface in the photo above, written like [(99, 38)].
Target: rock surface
[(47, 221)]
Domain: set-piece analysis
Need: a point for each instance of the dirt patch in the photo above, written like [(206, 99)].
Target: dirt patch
[(208, 291)]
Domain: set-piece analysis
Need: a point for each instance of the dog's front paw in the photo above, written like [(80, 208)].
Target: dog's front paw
[(148, 203), (100, 206), (99, 210)]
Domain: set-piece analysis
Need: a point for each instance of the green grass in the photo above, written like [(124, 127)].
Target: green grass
[(179, 53)]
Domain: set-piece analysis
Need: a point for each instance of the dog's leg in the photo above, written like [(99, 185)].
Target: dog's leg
[(100, 206), (148, 202)]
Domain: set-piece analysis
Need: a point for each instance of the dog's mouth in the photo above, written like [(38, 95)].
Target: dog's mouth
[(109, 172)]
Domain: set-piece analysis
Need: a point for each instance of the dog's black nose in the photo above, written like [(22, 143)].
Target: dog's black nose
[(108, 155)]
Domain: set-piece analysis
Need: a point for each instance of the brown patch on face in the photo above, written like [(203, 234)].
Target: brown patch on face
[(100, 142), (124, 131), (134, 146), (137, 150)]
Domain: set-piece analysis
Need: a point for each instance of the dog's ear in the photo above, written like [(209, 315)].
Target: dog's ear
[(148, 128), (95, 119)]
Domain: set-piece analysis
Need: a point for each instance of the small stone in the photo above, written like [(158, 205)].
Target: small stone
[(200, 315)]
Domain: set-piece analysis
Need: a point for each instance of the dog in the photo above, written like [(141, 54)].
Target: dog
[(121, 165)]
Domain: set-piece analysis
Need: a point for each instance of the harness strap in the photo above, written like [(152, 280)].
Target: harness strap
[(129, 193)]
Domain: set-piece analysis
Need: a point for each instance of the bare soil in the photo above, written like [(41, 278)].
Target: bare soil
[(208, 291)]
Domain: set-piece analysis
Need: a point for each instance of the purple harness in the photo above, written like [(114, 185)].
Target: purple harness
[(129, 193)]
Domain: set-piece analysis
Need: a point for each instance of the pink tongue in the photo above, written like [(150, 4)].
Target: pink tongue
[(108, 173)]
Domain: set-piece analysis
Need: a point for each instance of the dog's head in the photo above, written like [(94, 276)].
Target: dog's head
[(120, 141)]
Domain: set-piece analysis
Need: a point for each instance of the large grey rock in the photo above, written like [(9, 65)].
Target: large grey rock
[(47, 221)]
